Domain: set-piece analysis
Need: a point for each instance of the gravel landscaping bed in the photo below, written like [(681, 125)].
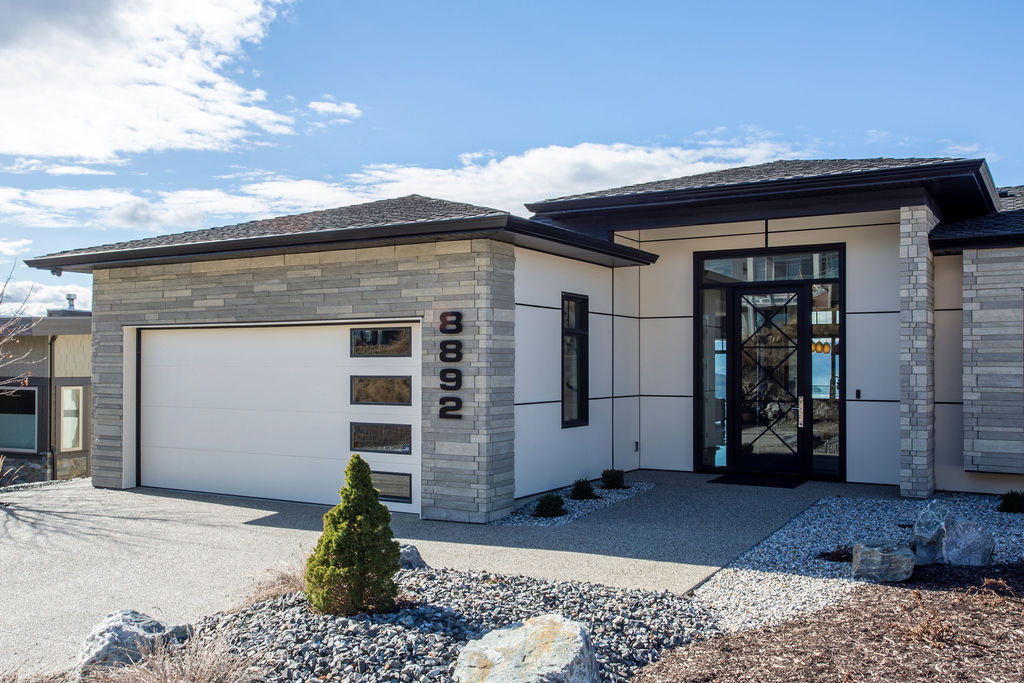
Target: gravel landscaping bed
[(783, 577), (574, 509), (445, 608)]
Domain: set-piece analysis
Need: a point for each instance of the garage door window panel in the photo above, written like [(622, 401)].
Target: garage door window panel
[(375, 437), (382, 342), (395, 487), (382, 390)]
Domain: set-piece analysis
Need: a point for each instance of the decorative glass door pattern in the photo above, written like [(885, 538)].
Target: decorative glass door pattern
[(769, 399)]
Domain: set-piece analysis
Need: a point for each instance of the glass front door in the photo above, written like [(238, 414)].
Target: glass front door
[(769, 378), (769, 362)]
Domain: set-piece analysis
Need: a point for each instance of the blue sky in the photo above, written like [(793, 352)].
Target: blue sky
[(123, 119)]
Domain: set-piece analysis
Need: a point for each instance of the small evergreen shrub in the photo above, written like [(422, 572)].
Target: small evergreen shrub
[(582, 490), (550, 505), (613, 479), (1012, 501), (353, 566)]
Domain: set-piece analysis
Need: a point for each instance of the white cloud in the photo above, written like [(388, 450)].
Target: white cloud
[(13, 247), (873, 135), (138, 75), (345, 110), (38, 297), (21, 165), (479, 177)]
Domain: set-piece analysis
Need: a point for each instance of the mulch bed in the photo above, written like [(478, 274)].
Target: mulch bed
[(944, 624)]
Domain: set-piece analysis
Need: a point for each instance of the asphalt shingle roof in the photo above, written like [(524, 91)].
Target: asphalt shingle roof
[(1011, 198), (771, 171), (401, 211)]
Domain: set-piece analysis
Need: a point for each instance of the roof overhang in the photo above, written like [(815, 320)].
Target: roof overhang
[(956, 245), (501, 227), (50, 326), (955, 190)]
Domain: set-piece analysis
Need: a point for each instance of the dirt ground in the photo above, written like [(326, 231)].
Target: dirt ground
[(944, 624)]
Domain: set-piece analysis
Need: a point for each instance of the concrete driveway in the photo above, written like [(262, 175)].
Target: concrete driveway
[(70, 554)]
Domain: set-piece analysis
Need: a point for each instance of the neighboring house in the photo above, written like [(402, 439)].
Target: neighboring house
[(44, 417), (856, 320)]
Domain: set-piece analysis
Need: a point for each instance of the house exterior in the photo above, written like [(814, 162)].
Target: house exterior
[(44, 415), (856, 320)]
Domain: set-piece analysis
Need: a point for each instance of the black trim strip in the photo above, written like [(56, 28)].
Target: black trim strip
[(947, 310), (948, 403), (758, 233), (872, 400), (871, 312), (606, 398)]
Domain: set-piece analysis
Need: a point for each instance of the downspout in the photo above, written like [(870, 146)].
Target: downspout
[(51, 460)]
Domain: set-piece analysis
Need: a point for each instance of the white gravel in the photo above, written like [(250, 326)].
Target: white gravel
[(523, 515), (782, 577)]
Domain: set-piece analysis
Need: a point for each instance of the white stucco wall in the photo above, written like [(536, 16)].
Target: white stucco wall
[(548, 456), (872, 327)]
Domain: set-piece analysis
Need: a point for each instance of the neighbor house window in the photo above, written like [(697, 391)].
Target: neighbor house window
[(18, 419), (575, 360), (70, 419)]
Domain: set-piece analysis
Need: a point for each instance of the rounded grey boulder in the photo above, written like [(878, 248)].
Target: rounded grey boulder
[(548, 649), (939, 537), (882, 561), (118, 639), (410, 557)]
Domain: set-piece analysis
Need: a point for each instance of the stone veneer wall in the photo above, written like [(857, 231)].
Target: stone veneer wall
[(917, 353), (467, 465), (993, 360)]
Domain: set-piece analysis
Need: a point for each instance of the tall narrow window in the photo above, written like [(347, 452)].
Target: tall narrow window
[(70, 419), (575, 360)]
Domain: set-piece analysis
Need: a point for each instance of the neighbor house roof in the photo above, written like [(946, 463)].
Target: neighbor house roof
[(1011, 198), (996, 229), (389, 221), (789, 169)]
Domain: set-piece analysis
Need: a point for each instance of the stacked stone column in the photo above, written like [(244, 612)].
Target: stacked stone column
[(917, 353)]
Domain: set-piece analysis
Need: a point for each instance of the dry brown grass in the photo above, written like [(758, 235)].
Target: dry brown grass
[(196, 661), (281, 580), (15, 677), (945, 624)]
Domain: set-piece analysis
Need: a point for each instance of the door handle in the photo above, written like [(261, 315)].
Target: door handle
[(799, 411)]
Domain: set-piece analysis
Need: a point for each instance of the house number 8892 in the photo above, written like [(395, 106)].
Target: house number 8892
[(450, 351)]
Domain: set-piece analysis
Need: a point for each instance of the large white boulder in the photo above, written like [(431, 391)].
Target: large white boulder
[(118, 639), (548, 649)]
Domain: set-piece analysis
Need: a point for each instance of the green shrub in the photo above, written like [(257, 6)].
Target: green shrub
[(549, 505), (582, 490), (353, 566), (1012, 501), (613, 479)]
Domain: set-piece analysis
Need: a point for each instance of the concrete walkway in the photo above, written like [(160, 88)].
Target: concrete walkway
[(70, 554)]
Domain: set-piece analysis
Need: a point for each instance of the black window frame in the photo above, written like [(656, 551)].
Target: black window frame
[(582, 333)]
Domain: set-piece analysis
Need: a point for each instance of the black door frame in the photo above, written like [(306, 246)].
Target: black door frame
[(698, 378), (736, 459)]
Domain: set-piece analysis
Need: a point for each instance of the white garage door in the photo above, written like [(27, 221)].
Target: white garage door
[(276, 412)]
